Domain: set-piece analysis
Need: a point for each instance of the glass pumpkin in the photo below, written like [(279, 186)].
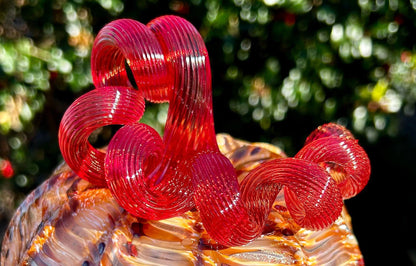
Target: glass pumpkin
[(189, 196), (69, 221)]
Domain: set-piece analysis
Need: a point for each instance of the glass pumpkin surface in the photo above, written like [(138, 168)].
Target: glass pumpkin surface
[(69, 221)]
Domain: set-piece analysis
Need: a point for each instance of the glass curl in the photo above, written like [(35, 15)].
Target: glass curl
[(156, 177)]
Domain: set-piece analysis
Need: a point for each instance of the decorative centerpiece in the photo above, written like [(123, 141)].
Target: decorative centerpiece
[(191, 197)]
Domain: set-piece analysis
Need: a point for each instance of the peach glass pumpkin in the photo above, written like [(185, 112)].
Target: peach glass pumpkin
[(68, 221)]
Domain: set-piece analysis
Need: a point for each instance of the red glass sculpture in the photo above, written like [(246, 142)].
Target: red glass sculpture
[(158, 178)]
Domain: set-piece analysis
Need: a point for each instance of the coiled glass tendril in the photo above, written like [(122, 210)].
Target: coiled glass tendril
[(157, 178)]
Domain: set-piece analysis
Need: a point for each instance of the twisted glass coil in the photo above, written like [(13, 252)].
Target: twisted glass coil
[(157, 178)]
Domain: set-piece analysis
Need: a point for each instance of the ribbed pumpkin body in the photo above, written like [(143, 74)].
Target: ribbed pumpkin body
[(68, 221)]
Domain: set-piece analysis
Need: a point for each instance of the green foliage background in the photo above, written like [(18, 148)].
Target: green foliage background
[(280, 68)]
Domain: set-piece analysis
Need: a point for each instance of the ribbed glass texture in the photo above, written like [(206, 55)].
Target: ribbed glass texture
[(329, 168), (127, 41), (168, 60), (329, 130), (156, 177), (235, 215), (95, 109), (341, 155)]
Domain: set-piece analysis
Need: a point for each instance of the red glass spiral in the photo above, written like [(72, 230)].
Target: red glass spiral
[(335, 148), (235, 215), (157, 178), (95, 109)]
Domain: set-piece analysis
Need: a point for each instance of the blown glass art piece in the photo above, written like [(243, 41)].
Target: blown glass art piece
[(69, 221), (187, 174)]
